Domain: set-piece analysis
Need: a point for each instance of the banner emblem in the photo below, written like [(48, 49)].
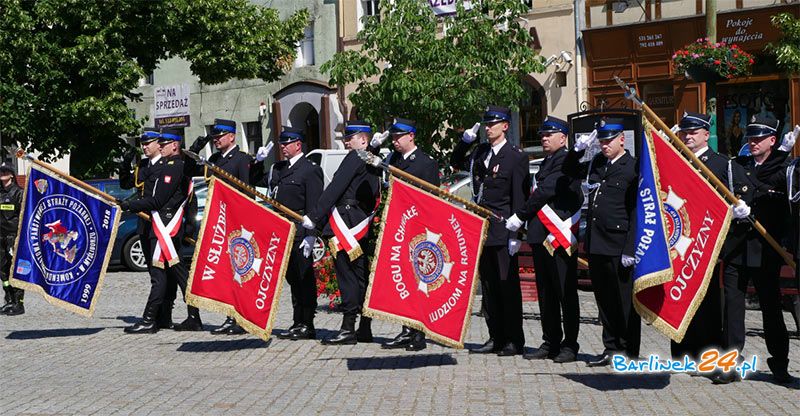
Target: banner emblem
[(244, 252), (679, 227), (41, 185), (431, 261)]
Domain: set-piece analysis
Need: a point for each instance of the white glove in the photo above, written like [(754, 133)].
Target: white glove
[(513, 246), (263, 152), (378, 139), (307, 246), (471, 135), (513, 223), (789, 138), (741, 210), (675, 129), (584, 141), (627, 261), (307, 223)]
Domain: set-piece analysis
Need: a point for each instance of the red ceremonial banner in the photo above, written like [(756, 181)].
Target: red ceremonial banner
[(240, 260), (425, 270), (697, 220)]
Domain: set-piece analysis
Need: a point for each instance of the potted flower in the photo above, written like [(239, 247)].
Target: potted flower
[(327, 285), (704, 61)]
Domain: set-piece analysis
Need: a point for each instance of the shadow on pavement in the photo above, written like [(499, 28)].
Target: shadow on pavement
[(765, 377), (398, 362), (223, 346), (52, 333), (128, 319), (613, 382)]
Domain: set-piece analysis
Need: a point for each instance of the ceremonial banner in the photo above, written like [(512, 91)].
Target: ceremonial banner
[(425, 270), (64, 243), (241, 257), (697, 221), (653, 263)]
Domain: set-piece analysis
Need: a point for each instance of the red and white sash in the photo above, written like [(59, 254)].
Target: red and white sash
[(165, 251), (563, 233), (346, 238)]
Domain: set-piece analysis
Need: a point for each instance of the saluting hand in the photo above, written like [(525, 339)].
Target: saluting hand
[(586, 140), (264, 151), (471, 135), (378, 139), (789, 138)]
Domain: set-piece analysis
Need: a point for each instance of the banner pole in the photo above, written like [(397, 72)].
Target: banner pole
[(81, 184), (651, 116), (245, 187)]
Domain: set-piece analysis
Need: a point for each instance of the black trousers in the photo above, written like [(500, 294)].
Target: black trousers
[(303, 284), (765, 280), (171, 290), (159, 279), (613, 291), (352, 278), (502, 295), (557, 286), (705, 330), (6, 246)]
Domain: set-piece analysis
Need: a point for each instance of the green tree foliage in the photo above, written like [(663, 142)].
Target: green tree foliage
[(787, 50), (444, 81), (69, 67)]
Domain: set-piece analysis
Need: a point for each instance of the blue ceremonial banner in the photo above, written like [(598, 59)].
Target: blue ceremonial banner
[(653, 264), (64, 242)]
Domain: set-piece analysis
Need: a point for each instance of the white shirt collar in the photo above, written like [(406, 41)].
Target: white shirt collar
[(154, 160), (496, 148), (295, 159), (407, 154), (228, 151), (701, 151), (611, 162)]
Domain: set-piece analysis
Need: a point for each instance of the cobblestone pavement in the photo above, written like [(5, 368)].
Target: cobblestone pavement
[(54, 362)]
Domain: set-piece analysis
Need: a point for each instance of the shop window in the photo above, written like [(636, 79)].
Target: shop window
[(367, 8), (531, 114), (737, 103), (253, 135)]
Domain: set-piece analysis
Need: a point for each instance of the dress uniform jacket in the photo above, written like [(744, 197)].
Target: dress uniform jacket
[(418, 163), (769, 207), (554, 188), (143, 178), (502, 187), (354, 189), (170, 189), (235, 162), (297, 187), (610, 222)]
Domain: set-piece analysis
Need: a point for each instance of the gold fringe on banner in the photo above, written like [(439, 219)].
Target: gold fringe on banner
[(412, 323), (100, 280)]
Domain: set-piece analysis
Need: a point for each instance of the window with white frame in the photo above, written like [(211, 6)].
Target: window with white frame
[(305, 49), (366, 8)]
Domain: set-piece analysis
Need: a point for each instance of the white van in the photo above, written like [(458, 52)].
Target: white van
[(330, 159)]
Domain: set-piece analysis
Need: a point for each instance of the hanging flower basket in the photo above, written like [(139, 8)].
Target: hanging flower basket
[(704, 61)]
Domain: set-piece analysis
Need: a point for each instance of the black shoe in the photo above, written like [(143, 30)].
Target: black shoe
[(223, 329), (488, 347), (287, 334), (6, 307), (509, 350), (142, 327), (566, 355), (726, 378), (779, 372), (402, 340), (236, 329), (417, 342), (302, 332), (344, 337), (544, 351), (14, 310), (364, 333), (603, 361), (190, 324)]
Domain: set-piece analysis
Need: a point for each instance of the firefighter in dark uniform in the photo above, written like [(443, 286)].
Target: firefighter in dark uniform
[(165, 199), (233, 161), (296, 182), (501, 183), (353, 192), (612, 177), (751, 257), (704, 331), (410, 159), (10, 206), (554, 193), (147, 169)]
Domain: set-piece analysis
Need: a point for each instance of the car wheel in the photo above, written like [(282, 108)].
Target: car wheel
[(319, 249), (133, 255)]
